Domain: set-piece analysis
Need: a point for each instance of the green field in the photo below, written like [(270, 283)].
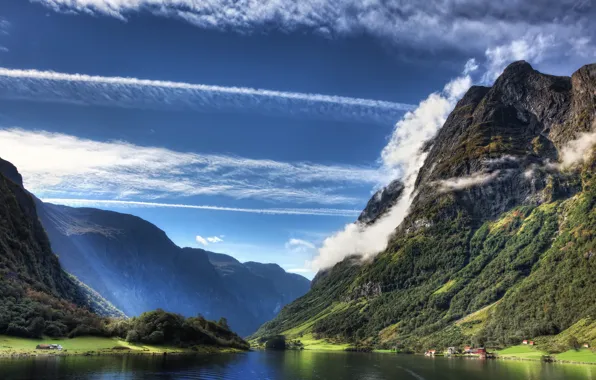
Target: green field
[(584, 355), (14, 346), (522, 351), (310, 343)]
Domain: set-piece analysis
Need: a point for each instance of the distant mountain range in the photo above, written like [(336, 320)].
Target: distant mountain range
[(136, 267)]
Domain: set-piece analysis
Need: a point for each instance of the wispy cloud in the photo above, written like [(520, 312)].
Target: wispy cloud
[(49, 86), (299, 243), (429, 25), (62, 166), (210, 239), (79, 202), (460, 183), (201, 240)]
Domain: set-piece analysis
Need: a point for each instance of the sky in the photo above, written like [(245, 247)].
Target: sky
[(255, 129)]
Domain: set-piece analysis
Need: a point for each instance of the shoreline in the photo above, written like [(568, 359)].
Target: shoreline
[(204, 350), (15, 347)]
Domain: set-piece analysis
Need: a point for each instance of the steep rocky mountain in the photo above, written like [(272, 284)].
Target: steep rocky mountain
[(498, 245), (36, 296), (133, 264)]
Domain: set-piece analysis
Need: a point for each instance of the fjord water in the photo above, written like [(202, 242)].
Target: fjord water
[(289, 365)]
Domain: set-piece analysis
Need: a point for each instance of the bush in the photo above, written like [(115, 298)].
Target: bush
[(156, 337), (133, 336)]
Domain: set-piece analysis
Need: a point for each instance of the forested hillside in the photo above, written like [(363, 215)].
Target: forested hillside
[(38, 298), (499, 242)]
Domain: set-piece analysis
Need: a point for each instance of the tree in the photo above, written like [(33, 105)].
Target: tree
[(36, 327), (277, 342), (573, 343), (223, 322), (133, 336)]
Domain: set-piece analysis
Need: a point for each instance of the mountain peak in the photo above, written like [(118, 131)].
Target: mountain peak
[(10, 171)]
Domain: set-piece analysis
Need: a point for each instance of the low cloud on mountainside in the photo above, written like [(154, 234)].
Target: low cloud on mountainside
[(404, 158), (579, 150), (460, 183)]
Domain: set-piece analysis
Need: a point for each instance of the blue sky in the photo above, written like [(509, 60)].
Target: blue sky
[(280, 119)]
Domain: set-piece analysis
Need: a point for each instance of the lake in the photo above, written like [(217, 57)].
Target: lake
[(289, 365)]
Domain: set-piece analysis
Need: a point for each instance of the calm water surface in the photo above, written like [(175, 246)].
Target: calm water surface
[(291, 365)]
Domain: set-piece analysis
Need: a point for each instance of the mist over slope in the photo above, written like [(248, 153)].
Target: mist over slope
[(496, 216)]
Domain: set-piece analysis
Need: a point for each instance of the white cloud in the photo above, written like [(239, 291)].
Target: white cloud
[(464, 25), (460, 183), (49, 86), (532, 48), (402, 156), (299, 243), (78, 202), (470, 66), (577, 151), (214, 239), (299, 270), (62, 166), (201, 240)]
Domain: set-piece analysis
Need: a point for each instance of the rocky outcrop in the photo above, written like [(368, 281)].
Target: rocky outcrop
[(381, 202), (10, 171)]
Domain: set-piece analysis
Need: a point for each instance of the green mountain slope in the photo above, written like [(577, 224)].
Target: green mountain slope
[(504, 260), (36, 296)]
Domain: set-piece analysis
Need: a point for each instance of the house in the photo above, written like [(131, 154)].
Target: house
[(531, 343), (467, 349), (430, 353), (586, 345), (525, 341), (481, 352), (451, 351)]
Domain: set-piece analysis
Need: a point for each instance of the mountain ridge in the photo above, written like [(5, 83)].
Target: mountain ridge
[(488, 213)]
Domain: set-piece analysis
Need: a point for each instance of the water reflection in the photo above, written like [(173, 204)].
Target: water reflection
[(291, 365)]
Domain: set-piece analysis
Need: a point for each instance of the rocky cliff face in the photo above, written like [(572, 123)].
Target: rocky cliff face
[(500, 134), (492, 209), (381, 202)]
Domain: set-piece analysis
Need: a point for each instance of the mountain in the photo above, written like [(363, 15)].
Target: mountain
[(134, 265), (499, 242), (36, 296), (270, 286)]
